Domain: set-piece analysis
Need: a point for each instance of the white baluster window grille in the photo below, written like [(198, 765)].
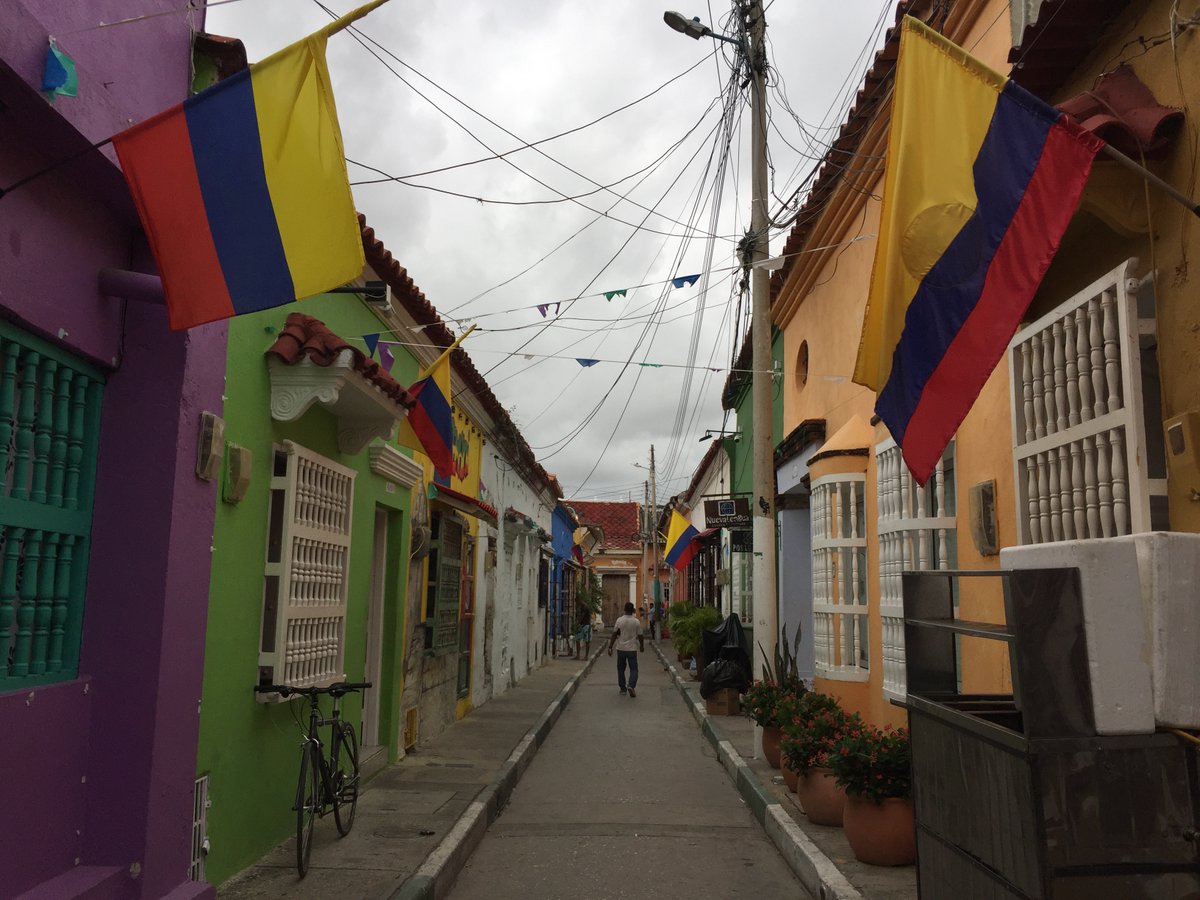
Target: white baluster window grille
[(916, 533), (839, 549), (308, 561), (1084, 384)]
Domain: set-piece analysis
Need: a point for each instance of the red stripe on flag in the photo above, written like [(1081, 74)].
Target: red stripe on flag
[(686, 556), (158, 163), (1017, 269)]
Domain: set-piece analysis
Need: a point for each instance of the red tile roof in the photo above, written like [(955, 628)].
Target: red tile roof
[(620, 521), (305, 337)]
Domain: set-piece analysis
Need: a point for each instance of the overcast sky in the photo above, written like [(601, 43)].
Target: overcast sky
[(536, 69)]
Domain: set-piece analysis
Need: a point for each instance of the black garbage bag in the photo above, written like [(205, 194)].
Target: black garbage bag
[(723, 673), (729, 658)]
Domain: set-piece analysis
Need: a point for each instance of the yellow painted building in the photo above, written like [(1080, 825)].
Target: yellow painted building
[(1103, 336)]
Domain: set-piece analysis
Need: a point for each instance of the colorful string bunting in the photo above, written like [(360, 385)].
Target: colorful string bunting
[(371, 340), (685, 280), (385, 357), (58, 75), (586, 362), (608, 295)]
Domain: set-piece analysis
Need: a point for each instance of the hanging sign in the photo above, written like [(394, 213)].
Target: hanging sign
[(726, 513)]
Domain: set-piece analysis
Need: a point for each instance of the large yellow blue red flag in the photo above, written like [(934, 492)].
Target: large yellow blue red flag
[(681, 542), (982, 180), (242, 189)]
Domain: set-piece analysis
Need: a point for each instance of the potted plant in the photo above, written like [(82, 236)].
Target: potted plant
[(874, 767), (808, 740), (686, 633), (677, 616), (780, 683), (761, 703)]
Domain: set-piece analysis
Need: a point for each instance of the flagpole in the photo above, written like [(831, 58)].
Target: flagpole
[(1171, 192), (322, 33), (462, 337)]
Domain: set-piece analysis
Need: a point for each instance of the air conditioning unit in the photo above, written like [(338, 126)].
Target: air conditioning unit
[(378, 294)]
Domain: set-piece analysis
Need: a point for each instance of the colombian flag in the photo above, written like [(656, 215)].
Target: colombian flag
[(681, 542), (430, 424), (982, 180), (242, 189)]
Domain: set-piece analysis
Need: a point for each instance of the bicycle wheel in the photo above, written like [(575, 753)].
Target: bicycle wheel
[(345, 779), (308, 804)]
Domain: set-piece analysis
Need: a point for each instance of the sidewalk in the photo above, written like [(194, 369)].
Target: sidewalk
[(819, 855), (419, 820)]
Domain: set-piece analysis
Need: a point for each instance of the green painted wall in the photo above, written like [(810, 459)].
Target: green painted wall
[(250, 750)]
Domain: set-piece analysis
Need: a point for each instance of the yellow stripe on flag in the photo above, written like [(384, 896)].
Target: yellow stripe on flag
[(941, 109), (305, 166)]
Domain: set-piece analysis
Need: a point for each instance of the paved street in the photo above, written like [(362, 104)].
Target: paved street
[(624, 800)]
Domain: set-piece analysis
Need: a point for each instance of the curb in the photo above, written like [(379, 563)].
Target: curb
[(815, 870), (435, 877)]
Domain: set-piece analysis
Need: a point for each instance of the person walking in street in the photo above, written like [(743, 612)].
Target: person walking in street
[(583, 635), (628, 638)]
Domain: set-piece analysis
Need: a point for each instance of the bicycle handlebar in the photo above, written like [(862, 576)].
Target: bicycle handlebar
[(334, 690)]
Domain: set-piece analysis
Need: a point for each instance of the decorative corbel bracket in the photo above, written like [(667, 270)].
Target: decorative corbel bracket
[(362, 410)]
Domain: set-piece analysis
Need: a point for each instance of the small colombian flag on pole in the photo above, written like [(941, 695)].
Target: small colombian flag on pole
[(242, 189), (982, 180), (429, 426), (681, 542)]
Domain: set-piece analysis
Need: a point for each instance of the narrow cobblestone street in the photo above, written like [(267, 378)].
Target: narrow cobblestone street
[(625, 800)]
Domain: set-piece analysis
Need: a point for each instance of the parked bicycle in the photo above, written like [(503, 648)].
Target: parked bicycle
[(326, 782)]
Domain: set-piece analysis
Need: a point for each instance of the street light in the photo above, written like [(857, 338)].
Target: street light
[(753, 51), (694, 28), (713, 432)]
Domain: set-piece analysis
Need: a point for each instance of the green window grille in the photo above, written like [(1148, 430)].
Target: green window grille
[(49, 425), (445, 585)]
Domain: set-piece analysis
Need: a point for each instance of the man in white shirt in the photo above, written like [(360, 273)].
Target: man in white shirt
[(627, 630)]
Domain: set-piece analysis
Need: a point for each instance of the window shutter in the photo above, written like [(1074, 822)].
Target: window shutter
[(308, 562)]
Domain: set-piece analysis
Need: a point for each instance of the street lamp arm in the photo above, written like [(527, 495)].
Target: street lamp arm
[(694, 28)]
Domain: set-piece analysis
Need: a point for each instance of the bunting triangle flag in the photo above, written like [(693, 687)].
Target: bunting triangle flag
[(683, 280), (608, 295), (385, 357), (372, 341)]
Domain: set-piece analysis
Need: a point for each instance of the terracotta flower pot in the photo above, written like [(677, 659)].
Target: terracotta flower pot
[(790, 778), (820, 797), (770, 744), (881, 834)]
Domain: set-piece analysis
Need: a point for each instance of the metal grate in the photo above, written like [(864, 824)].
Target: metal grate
[(199, 830)]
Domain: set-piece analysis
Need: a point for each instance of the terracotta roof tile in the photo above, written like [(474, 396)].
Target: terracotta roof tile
[(620, 521), (305, 337)]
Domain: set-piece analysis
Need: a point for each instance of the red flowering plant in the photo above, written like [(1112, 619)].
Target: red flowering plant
[(761, 702), (816, 724), (873, 763)]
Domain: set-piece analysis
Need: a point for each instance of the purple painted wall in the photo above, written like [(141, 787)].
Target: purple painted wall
[(104, 765)]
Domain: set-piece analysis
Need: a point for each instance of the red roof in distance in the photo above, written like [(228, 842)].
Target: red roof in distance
[(620, 522)]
